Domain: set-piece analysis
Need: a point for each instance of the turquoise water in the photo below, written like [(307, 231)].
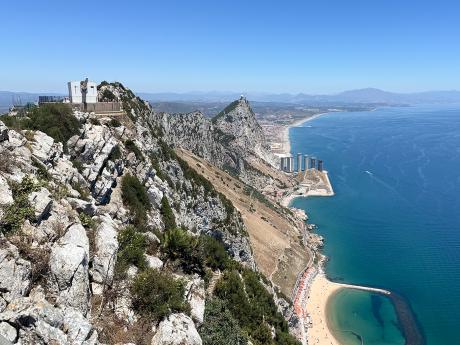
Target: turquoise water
[(364, 318), (395, 220)]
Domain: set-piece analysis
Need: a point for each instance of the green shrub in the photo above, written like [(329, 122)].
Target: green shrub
[(229, 208), (42, 172), (135, 197), (178, 243), (213, 253), (253, 307), (54, 119), (194, 253), (103, 83), (132, 147), (167, 214), (114, 123), (78, 164), (87, 221), (132, 245), (95, 121), (82, 190), (108, 96), (219, 326), (157, 294), (115, 153), (20, 210)]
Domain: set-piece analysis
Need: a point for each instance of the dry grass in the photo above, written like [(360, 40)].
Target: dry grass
[(38, 257), (274, 238)]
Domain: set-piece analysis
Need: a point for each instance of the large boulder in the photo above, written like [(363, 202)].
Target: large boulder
[(44, 148), (14, 273), (196, 295), (8, 332), (69, 269), (106, 251), (41, 202), (39, 322), (153, 261), (177, 329)]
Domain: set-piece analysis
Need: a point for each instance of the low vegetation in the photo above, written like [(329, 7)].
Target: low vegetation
[(194, 254), (167, 214), (21, 209), (252, 306), (157, 294), (114, 123), (108, 96), (54, 119), (219, 326), (136, 199), (132, 147), (115, 153), (132, 246)]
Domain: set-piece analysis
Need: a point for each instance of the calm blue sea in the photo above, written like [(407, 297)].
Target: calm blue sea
[(395, 220)]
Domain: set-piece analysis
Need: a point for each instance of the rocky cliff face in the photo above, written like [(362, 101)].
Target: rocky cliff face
[(67, 215), (230, 140)]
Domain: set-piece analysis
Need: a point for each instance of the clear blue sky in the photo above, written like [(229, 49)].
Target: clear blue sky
[(308, 46)]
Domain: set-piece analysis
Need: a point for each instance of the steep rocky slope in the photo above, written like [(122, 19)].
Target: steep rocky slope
[(232, 140), (107, 236)]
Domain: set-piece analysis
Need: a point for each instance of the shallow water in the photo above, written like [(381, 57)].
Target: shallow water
[(395, 220), (360, 317)]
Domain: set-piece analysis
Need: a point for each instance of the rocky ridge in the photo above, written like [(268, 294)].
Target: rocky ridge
[(62, 210), (231, 140)]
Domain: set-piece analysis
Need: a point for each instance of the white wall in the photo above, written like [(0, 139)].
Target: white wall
[(91, 95), (76, 96), (74, 92)]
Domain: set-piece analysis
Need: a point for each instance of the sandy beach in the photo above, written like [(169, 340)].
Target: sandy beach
[(321, 289), (286, 143)]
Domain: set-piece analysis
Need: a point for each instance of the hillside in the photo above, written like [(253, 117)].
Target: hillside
[(107, 235), (230, 140)]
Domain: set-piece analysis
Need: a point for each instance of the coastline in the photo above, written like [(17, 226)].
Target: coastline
[(311, 305), (286, 142), (314, 290)]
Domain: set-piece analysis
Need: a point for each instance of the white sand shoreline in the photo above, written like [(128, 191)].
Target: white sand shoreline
[(286, 144), (311, 301)]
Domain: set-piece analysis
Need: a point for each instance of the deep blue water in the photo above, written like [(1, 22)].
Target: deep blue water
[(395, 220)]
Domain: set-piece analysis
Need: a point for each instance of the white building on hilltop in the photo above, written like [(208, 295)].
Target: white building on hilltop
[(82, 91)]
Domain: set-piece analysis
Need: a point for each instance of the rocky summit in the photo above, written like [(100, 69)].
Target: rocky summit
[(108, 236)]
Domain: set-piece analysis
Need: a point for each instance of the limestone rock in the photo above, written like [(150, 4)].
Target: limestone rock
[(44, 148), (6, 195), (69, 269), (8, 332), (39, 322), (106, 251), (87, 207), (196, 295), (14, 273), (41, 202), (153, 261), (177, 329)]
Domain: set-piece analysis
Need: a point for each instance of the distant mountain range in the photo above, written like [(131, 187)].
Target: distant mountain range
[(368, 96)]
